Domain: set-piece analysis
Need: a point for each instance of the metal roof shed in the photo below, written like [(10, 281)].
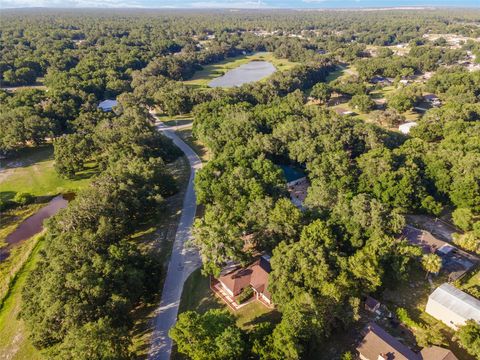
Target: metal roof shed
[(453, 306)]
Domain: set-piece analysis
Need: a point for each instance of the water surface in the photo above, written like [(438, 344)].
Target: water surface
[(246, 73), (32, 225)]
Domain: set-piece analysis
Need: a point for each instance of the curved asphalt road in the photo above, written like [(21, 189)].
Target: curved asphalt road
[(183, 260)]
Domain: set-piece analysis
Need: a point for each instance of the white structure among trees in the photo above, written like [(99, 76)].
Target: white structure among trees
[(107, 105), (453, 306), (405, 128)]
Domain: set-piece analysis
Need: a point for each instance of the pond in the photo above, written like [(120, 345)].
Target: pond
[(33, 224), (246, 73)]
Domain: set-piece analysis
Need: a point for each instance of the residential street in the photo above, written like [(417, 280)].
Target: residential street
[(183, 261)]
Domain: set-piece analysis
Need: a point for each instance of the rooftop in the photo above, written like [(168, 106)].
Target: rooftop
[(457, 301), (378, 342), (255, 275), (107, 105)]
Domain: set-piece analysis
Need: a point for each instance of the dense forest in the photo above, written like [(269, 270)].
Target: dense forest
[(364, 176)]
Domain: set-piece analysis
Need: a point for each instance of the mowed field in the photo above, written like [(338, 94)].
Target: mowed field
[(32, 171), (14, 337), (210, 72)]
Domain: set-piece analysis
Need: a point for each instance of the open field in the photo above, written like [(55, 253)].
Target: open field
[(32, 171), (203, 77), (14, 341)]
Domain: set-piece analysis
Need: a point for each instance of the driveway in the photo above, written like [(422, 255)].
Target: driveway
[(183, 260), (436, 226)]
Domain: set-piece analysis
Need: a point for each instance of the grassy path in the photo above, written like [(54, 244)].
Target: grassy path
[(14, 341)]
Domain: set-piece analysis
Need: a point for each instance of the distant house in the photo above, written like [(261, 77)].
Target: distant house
[(107, 105), (432, 99), (344, 112), (380, 80), (405, 128), (234, 282), (297, 184), (452, 306), (377, 344)]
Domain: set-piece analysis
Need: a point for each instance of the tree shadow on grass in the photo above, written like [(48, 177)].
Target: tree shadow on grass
[(273, 317), (28, 156), (6, 196)]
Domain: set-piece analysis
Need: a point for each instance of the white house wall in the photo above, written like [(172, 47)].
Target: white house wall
[(445, 315)]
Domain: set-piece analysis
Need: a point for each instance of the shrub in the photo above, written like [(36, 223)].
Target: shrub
[(245, 295), (463, 218), (23, 198), (403, 316), (362, 102)]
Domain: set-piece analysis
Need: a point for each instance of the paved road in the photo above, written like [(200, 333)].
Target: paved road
[(183, 261)]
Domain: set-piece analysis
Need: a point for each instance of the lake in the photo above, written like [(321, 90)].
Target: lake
[(246, 73)]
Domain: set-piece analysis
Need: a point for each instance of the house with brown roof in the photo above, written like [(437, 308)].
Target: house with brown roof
[(437, 353), (377, 344), (233, 281)]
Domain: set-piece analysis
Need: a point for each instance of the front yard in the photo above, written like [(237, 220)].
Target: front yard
[(198, 296)]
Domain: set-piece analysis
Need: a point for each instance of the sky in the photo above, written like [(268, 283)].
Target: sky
[(250, 4)]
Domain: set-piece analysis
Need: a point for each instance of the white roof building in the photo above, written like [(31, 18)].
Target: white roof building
[(453, 306), (405, 128), (107, 105)]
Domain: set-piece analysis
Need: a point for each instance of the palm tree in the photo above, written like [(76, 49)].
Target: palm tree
[(431, 263)]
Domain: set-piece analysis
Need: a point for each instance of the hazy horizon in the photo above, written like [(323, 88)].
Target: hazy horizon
[(236, 4)]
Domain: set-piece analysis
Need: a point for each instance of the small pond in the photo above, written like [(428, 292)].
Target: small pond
[(34, 224), (246, 73)]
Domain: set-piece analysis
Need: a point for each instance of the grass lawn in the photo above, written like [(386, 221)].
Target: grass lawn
[(470, 283), (175, 120), (203, 77), (14, 341), (341, 71), (382, 93), (201, 150), (32, 171), (197, 295)]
